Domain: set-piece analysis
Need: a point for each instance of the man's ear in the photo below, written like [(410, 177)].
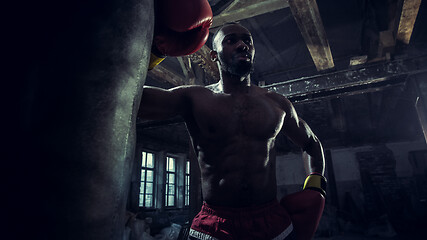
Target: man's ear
[(214, 56)]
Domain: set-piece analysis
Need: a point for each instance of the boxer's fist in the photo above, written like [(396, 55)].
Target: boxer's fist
[(182, 27), (185, 15), (305, 209)]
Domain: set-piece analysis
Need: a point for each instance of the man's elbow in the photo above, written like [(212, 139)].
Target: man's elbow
[(313, 144)]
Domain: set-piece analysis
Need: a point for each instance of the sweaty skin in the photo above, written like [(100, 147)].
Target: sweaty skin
[(233, 125)]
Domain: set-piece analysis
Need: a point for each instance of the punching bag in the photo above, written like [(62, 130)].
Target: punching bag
[(84, 67)]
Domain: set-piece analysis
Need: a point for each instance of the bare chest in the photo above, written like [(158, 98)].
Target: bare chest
[(226, 116)]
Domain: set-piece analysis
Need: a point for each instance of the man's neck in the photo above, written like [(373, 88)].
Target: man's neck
[(234, 84)]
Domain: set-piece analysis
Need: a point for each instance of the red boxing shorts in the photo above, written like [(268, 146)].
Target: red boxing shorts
[(269, 221)]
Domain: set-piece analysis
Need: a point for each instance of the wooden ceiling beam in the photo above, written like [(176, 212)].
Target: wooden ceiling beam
[(407, 20), (239, 4), (307, 17), (240, 10)]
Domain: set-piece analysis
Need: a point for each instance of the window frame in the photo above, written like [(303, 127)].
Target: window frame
[(175, 182), (145, 168), (187, 182)]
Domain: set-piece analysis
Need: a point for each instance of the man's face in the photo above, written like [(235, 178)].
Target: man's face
[(234, 50)]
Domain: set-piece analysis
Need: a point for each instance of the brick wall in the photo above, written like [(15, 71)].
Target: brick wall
[(383, 192)]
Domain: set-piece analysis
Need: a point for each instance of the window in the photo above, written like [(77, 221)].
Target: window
[(187, 184), (170, 181), (147, 180)]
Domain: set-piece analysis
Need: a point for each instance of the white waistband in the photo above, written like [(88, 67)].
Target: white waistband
[(204, 236), (285, 233), (200, 235)]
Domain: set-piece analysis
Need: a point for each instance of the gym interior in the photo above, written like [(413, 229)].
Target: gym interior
[(355, 71)]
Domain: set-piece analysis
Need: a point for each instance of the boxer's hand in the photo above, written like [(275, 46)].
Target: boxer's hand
[(316, 182), (182, 28), (305, 209)]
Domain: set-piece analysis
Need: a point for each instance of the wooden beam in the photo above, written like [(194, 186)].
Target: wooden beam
[(307, 17), (248, 10), (407, 20), (239, 4), (160, 73)]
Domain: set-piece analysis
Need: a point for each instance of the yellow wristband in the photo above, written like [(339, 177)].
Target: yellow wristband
[(316, 182), (154, 61)]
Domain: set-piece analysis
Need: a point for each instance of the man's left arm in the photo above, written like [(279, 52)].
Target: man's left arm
[(305, 207), (298, 131)]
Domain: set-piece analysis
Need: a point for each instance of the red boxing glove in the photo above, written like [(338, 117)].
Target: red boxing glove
[(182, 26), (305, 209)]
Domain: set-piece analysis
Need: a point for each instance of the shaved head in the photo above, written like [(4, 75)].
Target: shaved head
[(233, 50), (219, 34)]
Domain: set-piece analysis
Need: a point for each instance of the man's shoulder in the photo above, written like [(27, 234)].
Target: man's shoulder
[(278, 98), (266, 92), (192, 89)]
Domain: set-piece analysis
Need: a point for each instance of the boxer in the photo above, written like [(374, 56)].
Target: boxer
[(233, 125)]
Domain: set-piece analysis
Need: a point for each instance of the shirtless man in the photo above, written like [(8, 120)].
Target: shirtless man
[(233, 125)]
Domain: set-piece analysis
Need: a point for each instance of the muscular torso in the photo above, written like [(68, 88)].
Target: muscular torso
[(233, 135)]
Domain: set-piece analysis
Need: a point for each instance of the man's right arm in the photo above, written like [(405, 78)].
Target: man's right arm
[(157, 103)]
